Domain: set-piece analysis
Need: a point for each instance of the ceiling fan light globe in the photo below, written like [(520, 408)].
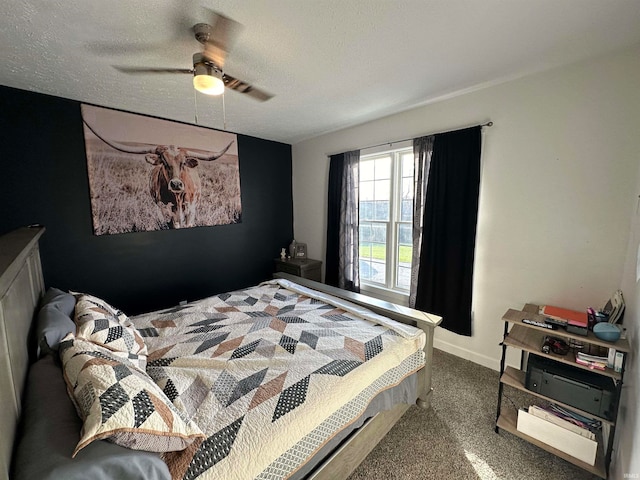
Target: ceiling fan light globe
[(208, 84)]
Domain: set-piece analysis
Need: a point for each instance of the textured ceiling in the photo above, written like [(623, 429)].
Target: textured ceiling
[(329, 63)]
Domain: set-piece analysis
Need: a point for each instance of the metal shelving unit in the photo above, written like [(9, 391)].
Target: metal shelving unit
[(528, 339)]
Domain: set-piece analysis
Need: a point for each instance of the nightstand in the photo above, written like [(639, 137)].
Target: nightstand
[(301, 267)]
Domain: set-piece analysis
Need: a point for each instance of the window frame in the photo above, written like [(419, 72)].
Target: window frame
[(389, 291)]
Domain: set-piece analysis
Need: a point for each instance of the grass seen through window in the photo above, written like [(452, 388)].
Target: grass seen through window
[(378, 252)]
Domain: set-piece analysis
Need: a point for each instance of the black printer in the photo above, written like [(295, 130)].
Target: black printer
[(587, 391)]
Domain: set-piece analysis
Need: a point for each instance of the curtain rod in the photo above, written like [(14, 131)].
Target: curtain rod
[(488, 124)]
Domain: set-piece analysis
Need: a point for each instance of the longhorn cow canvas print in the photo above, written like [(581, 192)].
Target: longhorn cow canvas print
[(151, 174)]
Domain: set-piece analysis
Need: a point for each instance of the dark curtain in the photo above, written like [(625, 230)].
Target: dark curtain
[(445, 275), (342, 257)]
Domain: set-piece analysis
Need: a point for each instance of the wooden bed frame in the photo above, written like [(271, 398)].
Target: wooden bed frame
[(22, 286)]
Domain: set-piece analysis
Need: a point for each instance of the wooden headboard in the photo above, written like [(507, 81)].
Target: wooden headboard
[(21, 287)]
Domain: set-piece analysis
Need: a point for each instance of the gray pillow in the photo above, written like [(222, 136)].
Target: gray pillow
[(50, 429), (55, 320), (63, 301)]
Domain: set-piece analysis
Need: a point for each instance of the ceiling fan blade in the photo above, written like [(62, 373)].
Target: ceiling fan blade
[(178, 33), (113, 49), (215, 54), (243, 87), (152, 70), (224, 32)]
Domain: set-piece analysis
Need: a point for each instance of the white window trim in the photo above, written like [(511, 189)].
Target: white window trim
[(394, 295)]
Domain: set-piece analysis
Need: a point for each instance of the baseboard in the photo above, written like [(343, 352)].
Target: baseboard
[(485, 361)]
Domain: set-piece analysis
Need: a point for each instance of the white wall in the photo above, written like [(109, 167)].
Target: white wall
[(558, 177), (628, 440)]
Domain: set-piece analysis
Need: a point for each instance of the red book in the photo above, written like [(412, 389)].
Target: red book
[(573, 317)]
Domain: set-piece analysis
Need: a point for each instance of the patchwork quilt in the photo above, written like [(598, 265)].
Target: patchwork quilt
[(270, 374)]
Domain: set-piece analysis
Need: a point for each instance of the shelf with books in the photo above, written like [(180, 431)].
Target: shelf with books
[(515, 317), (529, 339), (508, 421)]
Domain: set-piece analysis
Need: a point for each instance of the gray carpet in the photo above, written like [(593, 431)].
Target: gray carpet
[(455, 439)]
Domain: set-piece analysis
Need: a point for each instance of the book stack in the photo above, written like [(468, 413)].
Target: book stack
[(592, 361), (580, 420), (574, 321), (562, 315), (562, 429)]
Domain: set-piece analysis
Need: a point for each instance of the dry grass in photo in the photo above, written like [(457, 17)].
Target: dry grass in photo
[(121, 201)]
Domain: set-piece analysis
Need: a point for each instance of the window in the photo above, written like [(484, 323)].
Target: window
[(386, 215)]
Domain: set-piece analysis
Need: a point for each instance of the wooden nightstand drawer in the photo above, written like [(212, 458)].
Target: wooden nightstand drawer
[(305, 268)]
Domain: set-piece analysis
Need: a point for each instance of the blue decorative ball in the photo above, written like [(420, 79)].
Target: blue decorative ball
[(606, 331)]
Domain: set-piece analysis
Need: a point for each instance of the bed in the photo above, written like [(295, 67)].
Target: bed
[(305, 344)]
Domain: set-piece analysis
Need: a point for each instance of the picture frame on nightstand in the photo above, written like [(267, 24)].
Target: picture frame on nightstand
[(300, 251)]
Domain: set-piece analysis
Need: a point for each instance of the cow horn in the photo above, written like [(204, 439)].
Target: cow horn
[(208, 158), (121, 146)]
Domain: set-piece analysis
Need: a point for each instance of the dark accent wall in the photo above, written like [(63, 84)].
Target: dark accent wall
[(44, 180)]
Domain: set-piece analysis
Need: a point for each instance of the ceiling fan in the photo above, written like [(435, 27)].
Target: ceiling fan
[(208, 74)]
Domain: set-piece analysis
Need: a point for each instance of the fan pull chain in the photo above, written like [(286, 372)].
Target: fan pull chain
[(224, 114), (195, 105)]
